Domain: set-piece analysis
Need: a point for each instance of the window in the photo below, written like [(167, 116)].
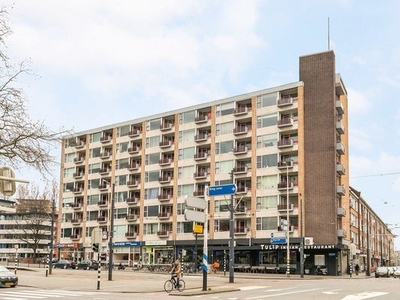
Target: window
[(153, 124), (150, 211), (266, 121), (69, 157), (268, 140), (186, 135), (93, 199), (123, 130), (221, 225), (150, 228), (267, 202), (181, 208), (151, 193), (153, 158), (186, 189), (221, 205), (153, 141), (185, 172), (120, 213), (185, 227), (266, 161), (94, 168), (122, 147), (95, 152), (121, 180), (121, 196), (66, 202), (187, 153), (267, 223), (94, 184), (122, 163), (152, 176), (187, 117), (225, 109), (267, 100), (267, 182), (69, 172), (95, 137), (120, 230), (224, 167), (224, 128), (223, 147)]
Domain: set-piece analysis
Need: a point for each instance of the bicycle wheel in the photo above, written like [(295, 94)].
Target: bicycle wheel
[(168, 286), (181, 286)]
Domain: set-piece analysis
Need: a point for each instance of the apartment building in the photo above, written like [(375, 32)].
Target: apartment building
[(284, 147)]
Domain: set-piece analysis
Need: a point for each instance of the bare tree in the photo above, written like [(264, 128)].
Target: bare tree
[(23, 142)]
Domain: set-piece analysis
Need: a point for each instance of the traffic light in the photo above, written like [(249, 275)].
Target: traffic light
[(103, 256), (95, 247)]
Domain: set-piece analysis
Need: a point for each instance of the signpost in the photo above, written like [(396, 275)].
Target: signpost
[(219, 190), (278, 241)]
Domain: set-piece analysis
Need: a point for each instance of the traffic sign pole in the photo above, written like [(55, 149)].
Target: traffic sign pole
[(205, 246)]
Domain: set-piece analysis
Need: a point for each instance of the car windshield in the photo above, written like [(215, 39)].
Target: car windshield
[(3, 269)]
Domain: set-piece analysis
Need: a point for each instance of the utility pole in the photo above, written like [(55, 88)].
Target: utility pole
[(53, 210), (110, 244), (232, 239)]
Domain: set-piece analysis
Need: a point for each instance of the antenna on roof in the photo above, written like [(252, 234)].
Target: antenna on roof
[(329, 38)]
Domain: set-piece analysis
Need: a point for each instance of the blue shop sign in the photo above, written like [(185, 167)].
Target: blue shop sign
[(127, 244)]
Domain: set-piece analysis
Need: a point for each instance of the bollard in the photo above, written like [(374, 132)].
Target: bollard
[(16, 264), (47, 267), (98, 273)]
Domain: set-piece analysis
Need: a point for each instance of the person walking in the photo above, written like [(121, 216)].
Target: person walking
[(357, 269), (177, 271)]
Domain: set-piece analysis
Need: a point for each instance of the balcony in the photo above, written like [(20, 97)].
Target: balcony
[(200, 156), (241, 150), (165, 161), (164, 197), (77, 190), (285, 122), (283, 186), (242, 210), (131, 235), (132, 200), (341, 233), (102, 219), (106, 139), (200, 175), (283, 207), (133, 166), (283, 165), (104, 171), (340, 169), (105, 155), (339, 107), (103, 187), (240, 170), (75, 237), (339, 127), (341, 212), (164, 179), (201, 119), (241, 110), (163, 233), (79, 160), (241, 230), (134, 133), (340, 148), (76, 221), (242, 190), (132, 183), (102, 203), (201, 137), (78, 175), (240, 130), (285, 143), (133, 150), (80, 144), (164, 215), (341, 190), (284, 101), (199, 193), (165, 144), (166, 126), (131, 218), (76, 205)]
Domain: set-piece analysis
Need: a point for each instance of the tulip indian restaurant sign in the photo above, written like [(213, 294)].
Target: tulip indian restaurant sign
[(306, 247)]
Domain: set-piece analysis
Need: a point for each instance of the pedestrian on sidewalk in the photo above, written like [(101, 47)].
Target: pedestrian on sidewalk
[(357, 268)]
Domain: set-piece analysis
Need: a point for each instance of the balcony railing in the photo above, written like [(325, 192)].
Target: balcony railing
[(131, 218), (132, 183), (240, 170), (165, 161), (201, 137), (340, 148), (164, 215), (166, 126), (241, 230), (285, 185), (240, 110), (165, 144), (78, 175), (134, 133), (283, 207), (133, 166), (105, 139), (199, 193), (240, 210), (163, 233), (102, 219), (164, 179), (75, 236), (164, 197), (285, 101), (104, 155), (200, 175), (201, 119), (285, 143), (340, 169), (241, 149), (78, 190), (132, 150), (132, 200), (200, 156), (102, 203), (76, 205), (130, 235), (76, 221), (285, 122), (79, 160), (240, 130)]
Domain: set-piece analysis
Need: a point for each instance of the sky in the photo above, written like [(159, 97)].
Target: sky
[(149, 57)]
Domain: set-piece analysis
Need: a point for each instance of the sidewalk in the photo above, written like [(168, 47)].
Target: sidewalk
[(128, 281)]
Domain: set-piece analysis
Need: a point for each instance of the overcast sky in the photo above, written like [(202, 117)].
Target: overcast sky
[(147, 57)]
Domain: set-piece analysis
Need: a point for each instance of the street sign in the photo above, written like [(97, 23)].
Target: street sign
[(218, 190), (195, 216), (197, 228), (96, 235), (195, 202), (278, 241)]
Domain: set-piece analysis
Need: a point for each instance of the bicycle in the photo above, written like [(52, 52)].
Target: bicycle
[(170, 284)]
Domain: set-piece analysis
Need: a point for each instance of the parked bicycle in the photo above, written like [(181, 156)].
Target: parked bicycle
[(171, 284)]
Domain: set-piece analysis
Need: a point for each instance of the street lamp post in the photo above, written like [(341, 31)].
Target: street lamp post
[(287, 222), (232, 239), (368, 254), (110, 244)]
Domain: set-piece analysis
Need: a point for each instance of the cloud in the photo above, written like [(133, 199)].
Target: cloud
[(359, 102)]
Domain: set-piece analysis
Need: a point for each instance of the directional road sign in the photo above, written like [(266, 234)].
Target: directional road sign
[(195, 202), (196, 216), (218, 190), (278, 241)]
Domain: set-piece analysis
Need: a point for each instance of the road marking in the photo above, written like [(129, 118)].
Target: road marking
[(364, 295), (332, 292), (22, 294), (286, 293), (254, 287)]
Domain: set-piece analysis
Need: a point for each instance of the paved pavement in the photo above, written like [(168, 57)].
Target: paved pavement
[(129, 281)]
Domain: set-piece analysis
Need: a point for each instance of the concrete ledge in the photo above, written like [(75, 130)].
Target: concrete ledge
[(201, 292)]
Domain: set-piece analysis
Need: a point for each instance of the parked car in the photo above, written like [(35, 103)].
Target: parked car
[(321, 270), (7, 278), (64, 264), (391, 270), (396, 273), (382, 272), (87, 265)]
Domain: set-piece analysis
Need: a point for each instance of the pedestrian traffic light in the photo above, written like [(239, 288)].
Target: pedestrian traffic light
[(95, 247)]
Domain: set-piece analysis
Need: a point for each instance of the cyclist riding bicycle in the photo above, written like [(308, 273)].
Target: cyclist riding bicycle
[(177, 271)]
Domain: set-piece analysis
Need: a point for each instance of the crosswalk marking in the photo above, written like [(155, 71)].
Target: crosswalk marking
[(31, 294)]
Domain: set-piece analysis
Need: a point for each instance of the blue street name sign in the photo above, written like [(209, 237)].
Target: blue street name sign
[(278, 241), (218, 190)]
